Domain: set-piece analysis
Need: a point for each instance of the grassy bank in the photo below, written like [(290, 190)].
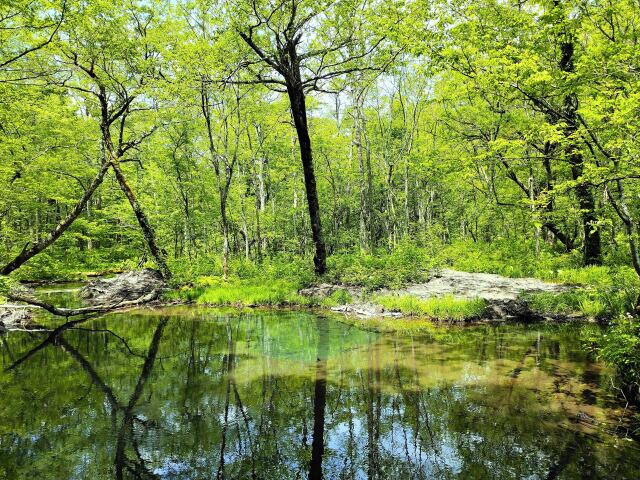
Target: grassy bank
[(271, 292), (600, 291), (285, 292), (606, 292), (445, 308)]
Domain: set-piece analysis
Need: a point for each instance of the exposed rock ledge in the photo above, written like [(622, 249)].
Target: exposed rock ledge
[(502, 294), (487, 286), (14, 316), (127, 290), (132, 286)]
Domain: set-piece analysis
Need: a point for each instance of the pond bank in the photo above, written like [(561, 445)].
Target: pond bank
[(447, 296)]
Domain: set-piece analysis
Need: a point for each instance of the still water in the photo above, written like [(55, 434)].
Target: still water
[(190, 393)]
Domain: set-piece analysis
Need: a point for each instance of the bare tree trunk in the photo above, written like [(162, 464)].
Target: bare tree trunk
[(630, 227), (225, 236), (359, 126), (621, 208), (299, 113), (549, 205), (592, 248), (222, 166), (259, 207), (147, 230)]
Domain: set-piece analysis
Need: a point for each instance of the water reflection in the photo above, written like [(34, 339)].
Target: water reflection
[(196, 394), (319, 400)]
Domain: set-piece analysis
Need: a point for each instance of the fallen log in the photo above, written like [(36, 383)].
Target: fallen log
[(72, 312)]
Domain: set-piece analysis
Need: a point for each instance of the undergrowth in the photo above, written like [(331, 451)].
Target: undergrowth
[(250, 292), (619, 345)]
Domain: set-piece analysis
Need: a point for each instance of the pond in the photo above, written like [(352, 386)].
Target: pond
[(193, 393)]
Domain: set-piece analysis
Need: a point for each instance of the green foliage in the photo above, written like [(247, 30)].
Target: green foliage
[(338, 297), (6, 284), (602, 293), (207, 269), (511, 257), (405, 264), (244, 293), (595, 276), (619, 346), (444, 308)]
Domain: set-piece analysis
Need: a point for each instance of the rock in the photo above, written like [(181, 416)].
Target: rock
[(365, 310), (11, 317), (487, 286), (146, 284), (503, 295), (324, 290), (321, 290), (508, 309)]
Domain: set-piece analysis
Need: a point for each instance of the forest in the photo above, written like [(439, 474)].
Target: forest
[(252, 150)]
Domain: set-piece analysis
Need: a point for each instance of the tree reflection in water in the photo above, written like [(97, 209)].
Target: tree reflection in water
[(195, 394)]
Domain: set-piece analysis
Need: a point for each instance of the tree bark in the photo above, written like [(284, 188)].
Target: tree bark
[(621, 208), (225, 235), (365, 217), (299, 113), (592, 250), (147, 230)]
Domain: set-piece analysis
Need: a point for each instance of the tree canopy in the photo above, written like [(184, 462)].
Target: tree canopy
[(198, 131)]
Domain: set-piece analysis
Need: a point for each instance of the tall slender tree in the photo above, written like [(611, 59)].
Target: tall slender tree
[(297, 46)]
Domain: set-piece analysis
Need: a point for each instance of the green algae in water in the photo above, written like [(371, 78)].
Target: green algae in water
[(191, 393)]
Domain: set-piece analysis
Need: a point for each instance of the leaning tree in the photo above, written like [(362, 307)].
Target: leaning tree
[(106, 66)]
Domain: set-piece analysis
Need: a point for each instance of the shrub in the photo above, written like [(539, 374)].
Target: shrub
[(619, 346), (379, 269)]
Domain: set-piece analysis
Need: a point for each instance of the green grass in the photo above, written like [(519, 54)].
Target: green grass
[(600, 293), (275, 292), (211, 290), (244, 293), (444, 308), (338, 297)]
